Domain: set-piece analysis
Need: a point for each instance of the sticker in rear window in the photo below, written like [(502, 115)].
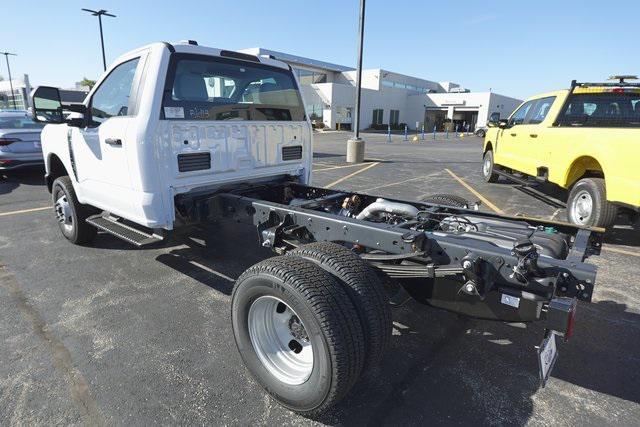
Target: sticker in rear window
[(510, 300), (174, 112)]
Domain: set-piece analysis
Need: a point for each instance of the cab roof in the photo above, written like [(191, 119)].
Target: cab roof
[(190, 46)]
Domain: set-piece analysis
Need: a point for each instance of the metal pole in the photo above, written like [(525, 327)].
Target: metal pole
[(104, 60), (99, 14), (355, 145), (13, 98), (359, 72)]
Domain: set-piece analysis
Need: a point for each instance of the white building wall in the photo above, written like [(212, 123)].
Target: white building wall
[(386, 90)]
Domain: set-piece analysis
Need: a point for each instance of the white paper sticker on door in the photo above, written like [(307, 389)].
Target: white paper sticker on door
[(174, 112)]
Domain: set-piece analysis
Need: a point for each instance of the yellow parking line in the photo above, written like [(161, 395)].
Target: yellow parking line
[(476, 193), (620, 251), (24, 211), (391, 184), (328, 168), (351, 175)]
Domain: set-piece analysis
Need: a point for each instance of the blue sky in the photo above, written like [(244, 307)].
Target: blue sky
[(516, 48)]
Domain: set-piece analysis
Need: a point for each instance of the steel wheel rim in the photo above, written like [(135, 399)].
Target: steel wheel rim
[(582, 207), (64, 214), (280, 340), (486, 168)]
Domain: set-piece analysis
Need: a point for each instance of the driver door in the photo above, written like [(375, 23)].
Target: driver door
[(510, 149), (100, 149)]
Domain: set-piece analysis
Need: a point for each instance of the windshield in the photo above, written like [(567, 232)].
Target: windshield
[(19, 122), (212, 88), (604, 109)]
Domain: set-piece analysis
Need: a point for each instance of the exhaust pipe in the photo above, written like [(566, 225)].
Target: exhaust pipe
[(382, 205)]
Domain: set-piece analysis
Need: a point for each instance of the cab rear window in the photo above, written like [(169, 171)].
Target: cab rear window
[(606, 109), (211, 88)]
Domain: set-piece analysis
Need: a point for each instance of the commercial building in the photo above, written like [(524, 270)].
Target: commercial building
[(19, 99), (388, 97)]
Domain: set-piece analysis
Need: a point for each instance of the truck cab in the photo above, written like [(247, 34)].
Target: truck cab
[(170, 119)]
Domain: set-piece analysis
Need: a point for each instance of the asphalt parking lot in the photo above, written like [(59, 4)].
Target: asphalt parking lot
[(109, 334)]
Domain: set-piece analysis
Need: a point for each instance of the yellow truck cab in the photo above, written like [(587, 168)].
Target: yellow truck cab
[(585, 139)]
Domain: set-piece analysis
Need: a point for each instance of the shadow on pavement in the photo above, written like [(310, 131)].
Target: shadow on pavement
[(627, 235), (10, 180), (443, 369)]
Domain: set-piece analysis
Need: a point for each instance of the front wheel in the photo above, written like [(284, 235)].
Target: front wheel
[(488, 167), (587, 205), (297, 332), (71, 214)]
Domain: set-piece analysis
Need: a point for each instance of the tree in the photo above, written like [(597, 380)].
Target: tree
[(86, 82)]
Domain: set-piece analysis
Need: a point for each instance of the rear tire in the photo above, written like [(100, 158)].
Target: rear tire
[(365, 289), (447, 200), (587, 204), (488, 167), (291, 299), (71, 213)]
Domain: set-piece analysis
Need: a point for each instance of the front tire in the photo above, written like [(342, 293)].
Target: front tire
[(488, 167), (297, 333), (71, 214), (587, 204)]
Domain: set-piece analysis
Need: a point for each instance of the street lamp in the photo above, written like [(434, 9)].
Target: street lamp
[(355, 146), (99, 14), (6, 56)]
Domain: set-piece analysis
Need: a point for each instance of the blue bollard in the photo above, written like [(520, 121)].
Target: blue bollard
[(456, 129), (422, 133), (389, 133), (434, 132), (406, 135), (446, 133)]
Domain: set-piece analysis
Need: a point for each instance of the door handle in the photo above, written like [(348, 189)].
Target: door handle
[(513, 134), (113, 141), (533, 135)]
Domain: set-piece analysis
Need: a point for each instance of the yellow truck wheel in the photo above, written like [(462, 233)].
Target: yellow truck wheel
[(588, 206), (488, 167)]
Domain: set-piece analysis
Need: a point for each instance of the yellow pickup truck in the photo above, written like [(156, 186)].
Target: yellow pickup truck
[(585, 139)]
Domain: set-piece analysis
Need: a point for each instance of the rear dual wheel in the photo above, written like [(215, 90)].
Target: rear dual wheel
[(306, 324)]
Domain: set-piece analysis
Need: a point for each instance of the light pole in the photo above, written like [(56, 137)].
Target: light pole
[(355, 146), (99, 14), (6, 56)]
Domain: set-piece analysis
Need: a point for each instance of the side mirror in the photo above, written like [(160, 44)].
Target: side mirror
[(503, 124), (47, 106), (494, 120)]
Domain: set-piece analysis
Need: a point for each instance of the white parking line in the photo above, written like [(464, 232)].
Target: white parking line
[(25, 211)]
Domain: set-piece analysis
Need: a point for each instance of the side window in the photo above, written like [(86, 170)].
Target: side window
[(521, 113), (112, 97), (540, 110)]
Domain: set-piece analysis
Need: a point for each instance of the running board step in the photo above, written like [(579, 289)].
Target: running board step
[(135, 236), (516, 179)]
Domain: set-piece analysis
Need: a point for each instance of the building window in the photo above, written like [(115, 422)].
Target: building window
[(377, 116), (307, 77), (394, 117)]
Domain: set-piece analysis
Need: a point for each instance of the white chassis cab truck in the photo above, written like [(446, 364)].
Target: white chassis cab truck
[(175, 134)]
